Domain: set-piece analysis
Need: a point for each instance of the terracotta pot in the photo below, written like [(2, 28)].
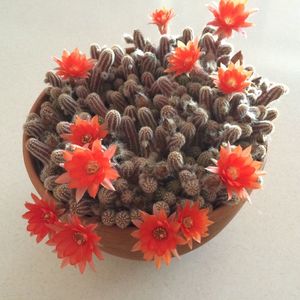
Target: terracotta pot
[(118, 241)]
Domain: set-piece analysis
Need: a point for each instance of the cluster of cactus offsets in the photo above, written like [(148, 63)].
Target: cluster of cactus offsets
[(167, 128)]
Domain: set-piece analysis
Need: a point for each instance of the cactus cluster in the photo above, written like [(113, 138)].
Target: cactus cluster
[(167, 128)]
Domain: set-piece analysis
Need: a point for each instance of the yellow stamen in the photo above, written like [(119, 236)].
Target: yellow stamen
[(92, 167), (233, 172), (160, 233), (187, 222)]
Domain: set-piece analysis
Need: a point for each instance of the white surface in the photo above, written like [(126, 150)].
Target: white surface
[(255, 257)]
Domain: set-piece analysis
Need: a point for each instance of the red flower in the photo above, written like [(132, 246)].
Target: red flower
[(75, 243), (40, 214), (184, 59), (194, 222), (73, 65), (158, 237), (88, 168), (230, 15), (238, 171), (233, 79), (161, 18), (85, 131)]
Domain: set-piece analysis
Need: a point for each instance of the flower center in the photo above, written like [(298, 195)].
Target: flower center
[(48, 217), (79, 238), (92, 167), (188, 61), (187, 222), (86, 138), (233, 172), (228, 21), (160, 233), (231, 82)]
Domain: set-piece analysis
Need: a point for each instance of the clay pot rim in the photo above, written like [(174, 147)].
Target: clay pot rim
[(214, 215)]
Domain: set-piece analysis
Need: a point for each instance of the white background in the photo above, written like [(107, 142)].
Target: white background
[(255, 257)]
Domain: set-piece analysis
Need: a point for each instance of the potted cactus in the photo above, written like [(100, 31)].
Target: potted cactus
[(148, 151)]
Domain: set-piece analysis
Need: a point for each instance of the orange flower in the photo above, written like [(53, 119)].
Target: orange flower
[(158, 237), (88, 168), (194, 222), (233, 79), (238, 171), (184, 59), (230, 15), (161, 18), (75, 243), (85, 131), (73, 65), (40, 214)]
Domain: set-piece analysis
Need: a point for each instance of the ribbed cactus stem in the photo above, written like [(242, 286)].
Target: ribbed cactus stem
[(83, 208), (223, 60), (105, 61), (63, 193), (188, 129), (63, 127), (127, 169), (34, 128), (53, 79), (199, 118), (161, 137), (149, 63), (191, 187), (39, 150), (272, 114), (162, 205), (145, 139), (159, 101), (224, 49), (146, 118), (230, 134), (48, 114), (81, 91), (127, 196), (138, 39), (221, 109), (208, 44), (121, 184), (128, 65), (108, 217), (147, 79), (95, 50), (129, 130), (175, 161), (163, 49), (263, 127), (50, 183), (176, 142), (130, 88), (187, 35), (119, 53), (272, 94), (148, 184), (113, 120), (106, 197), (57, 156), (118, 101), (131, 111), (165, 85), (68, 105), (123, 219), (259, 152), (96, 105), (149, 47)]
